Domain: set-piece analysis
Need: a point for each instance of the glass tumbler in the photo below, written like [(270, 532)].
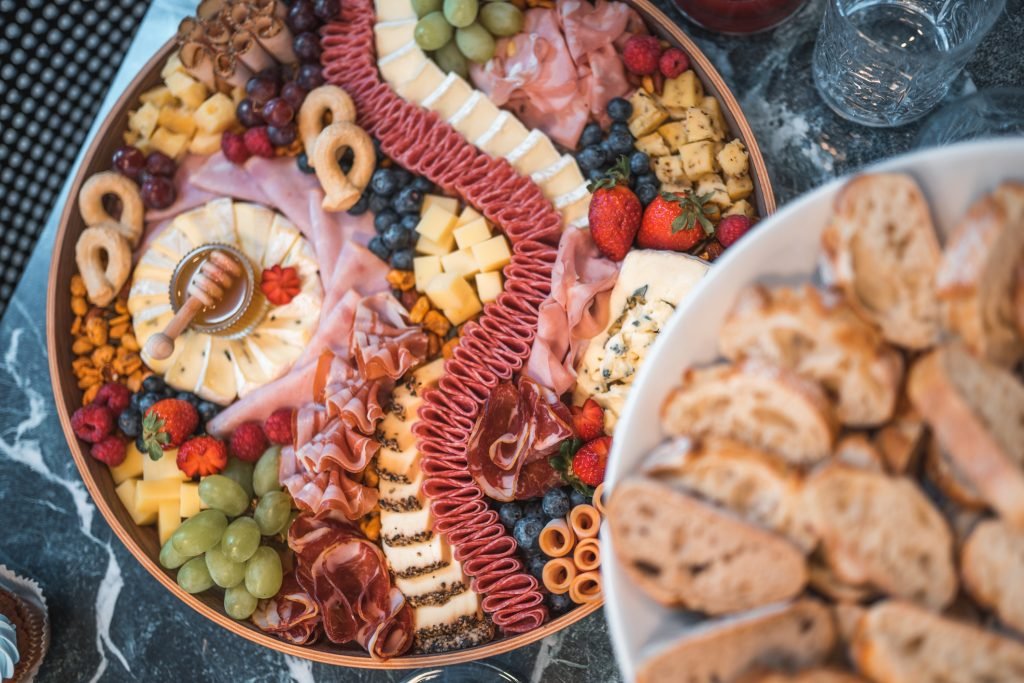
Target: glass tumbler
[(889, 62)]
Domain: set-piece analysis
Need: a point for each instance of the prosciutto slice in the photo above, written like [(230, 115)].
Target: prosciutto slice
[(383, 344), (292, 614)]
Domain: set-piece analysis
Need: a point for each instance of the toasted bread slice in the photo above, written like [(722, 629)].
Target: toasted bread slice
[(1018, 299), (897, 642), (685, 553), (816, 675), (755, 485), (942, 472), (820, 337), (822, 579), (883, 531), (857, 450), (883, 252), (976, 410), (992, 563), (977, 276), (758, 404), (783, 637), (900, 441)]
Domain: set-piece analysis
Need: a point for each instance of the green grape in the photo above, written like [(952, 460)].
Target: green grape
[(264, 476), (198, 534), (224, 571), (451, 60), (272, 512), (432, 31), (171, 558), (460, 13), (263, 573), (241, 472), (221, 493), (239, 603), (475, 43), (424, 7), (501, 18), (194, 577), (240, 539)]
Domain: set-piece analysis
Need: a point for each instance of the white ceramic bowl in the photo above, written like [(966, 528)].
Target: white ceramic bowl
[(782, 248)]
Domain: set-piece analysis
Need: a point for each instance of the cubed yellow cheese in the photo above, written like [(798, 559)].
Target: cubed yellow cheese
[(167, 520), (143, 120), (173, 145), (739, 187), (460, 314), (460, 262), (449, 290), (679, 187), (130, 468), (177, 120), (492, 254), (733, 159), (238, 94), (674, 134), (713, 107), (468, 215), (698, 159), (449, 204), (160, 96), (740, 208), (437, 223), (150, 494), (190, 502), (472, 233), (126, 492), (425, 268), (205, 144), (216, 114), (488, 286), (172, 65), (164, 468), (669, 169), (652, 145), (191, 92), (685, 90), (712, 184), (647, 114), (425, 245), (699, 125)]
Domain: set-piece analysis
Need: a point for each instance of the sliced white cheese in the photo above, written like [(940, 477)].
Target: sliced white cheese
[(478, 119), (561, 177), (189, 366), (421, 82), (392, 35), (155, 264), (505, 134), (408, 559), (249, 374), (401, 64), (280, 240), (174, 244), (147, 287), (399, 492), (218, 383), (399, 463), (214, 222), (449, 97), (275, 351), (430, 374), (577, 214), (405, 524), (394, 10), (462, 605), (146, 306), (571, 197), (436, 581), (252, 223)]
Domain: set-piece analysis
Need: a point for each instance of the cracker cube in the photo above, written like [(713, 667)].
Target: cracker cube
[(713, 107), (652, 145), (674, 134), (647, 114), (669, 169), (712, 184), (172, 65), (699, 125), (190, 91), (698, 159), (739, 187), (733, 159), (205, 144), (160, 96), (740, 208), (679, 187), (685, 90)]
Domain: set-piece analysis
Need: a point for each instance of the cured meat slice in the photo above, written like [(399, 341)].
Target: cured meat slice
[(292, 614)]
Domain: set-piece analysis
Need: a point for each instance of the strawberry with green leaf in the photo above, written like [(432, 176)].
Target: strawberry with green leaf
[(615, 212), (677, 222), (167, 424), (582, 465)]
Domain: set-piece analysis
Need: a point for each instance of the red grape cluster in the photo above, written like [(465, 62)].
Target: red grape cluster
[(154, 173)]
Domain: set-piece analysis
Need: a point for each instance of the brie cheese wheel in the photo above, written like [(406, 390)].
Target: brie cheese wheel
[(449, 97), (421, 82), (392, 35), (401, 64)]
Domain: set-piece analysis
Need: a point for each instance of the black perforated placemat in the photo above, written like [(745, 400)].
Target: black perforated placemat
[(57, 59)]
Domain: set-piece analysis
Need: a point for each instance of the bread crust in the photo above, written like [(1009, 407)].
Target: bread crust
[(992, 566)]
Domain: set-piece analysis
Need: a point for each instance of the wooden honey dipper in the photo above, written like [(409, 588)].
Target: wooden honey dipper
[(206, 289)]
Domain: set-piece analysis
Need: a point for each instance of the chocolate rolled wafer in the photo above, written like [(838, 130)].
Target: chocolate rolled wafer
[(269, 8), (218, 34), (236, 15), (275, 37), (208, 9), (230, 70), (246, 48), (198, 62)]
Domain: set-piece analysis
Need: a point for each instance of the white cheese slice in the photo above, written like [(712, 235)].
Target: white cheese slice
[(189, 367), (144, 305), (400, 463), (147, 287), (559, 178), (420, 82), (461, 605), (392, 35), (505, 134), (218, 383), (394, 428), (401, 64), (174, 244), (462, 112), (399, 524), (406, 559), (430, 374), (252, 222), (535, 154), (449, 97), (478, 119), (282, 237), (398, 492), (213, 222), (577, 214), (438, 580), (155, 264), (571, 197), (249, 374), (394, 10), (269, 369), (274, 351)]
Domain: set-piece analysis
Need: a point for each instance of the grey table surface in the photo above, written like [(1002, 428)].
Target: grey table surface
[(112, 622)]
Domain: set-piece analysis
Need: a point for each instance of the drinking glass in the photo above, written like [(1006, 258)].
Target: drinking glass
[(889, 62)]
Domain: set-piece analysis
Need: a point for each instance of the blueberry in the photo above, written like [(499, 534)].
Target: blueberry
[(559, 604), (140, 444), (591, 157), (592, 135), (577, 498), (408, 200), (378, 248), (147, 401), (639, 164), (133, 402), (410, 221), (648, 178), (384, 182), (360, 207), (395, 237), (527, 533), (188, 397), (619, 127), (207, 410), (168, 392), (422, 184), (510, 513), (384, 220), (535, 565), (346, 161), (646, 193), (378, 202), (533, 508), (302, 161), (595, 174), (402, 178), (130, 422), (402, 259), (620, 143), (619, 109), (555, 504), (153, 383)]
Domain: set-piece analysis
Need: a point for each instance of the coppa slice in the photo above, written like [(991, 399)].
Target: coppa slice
[(686, 553), (789, 636), (992, 562)]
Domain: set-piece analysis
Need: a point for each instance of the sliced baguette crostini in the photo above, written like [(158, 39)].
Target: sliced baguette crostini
[(976, 410), (992, 565), (820, 337), (790, 636), (940, 469), (686, 553), (815, 675), (761, 405), (883, 254), (977, 277)]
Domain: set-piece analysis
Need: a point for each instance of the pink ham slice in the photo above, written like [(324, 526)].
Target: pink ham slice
[(223, 178)]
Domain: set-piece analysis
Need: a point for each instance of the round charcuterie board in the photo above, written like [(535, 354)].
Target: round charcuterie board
[(347, 299)]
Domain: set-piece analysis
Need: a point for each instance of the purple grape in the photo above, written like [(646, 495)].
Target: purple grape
[(294, 94), (157, 192), (307, 47), (282, 136), (273, 72), (327, 9), (301, 17), (261, 89), (247, 114), (159, 163), (129, 161), (309, 76), (277, 112)]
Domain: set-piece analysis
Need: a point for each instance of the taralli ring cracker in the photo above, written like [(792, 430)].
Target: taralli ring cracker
[(557, 538), (342, 190), (586, 587), (326, 98), (587, 555), (90, 203), (585, 521), (105, 260), (558, 575)]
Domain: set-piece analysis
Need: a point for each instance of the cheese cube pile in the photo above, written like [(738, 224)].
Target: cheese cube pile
[(460, 261), (180, 116), (156, 491), (684, 132)]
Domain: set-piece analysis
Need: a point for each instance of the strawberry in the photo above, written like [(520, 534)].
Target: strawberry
[(280, 285), (641, 55), (111, 450), (114, 396), (92, 423), (167, 424), (202, 456), (248, 442), (615, 212), (278, 427), (675, 222), (731, 228), (588, 420), (591, 459)]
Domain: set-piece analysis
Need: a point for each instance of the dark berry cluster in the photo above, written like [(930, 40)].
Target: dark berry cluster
[(153, 172), (154, 389), (599, 152)]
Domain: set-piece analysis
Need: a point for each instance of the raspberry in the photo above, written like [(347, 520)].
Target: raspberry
[(111, 450), (248, 442), (114, 396), (257, 141), (673, 62), (278, 426), (641, 55), (92, 423), (233, 146), (731, 228)]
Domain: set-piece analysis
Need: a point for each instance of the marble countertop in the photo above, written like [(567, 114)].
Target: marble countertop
[(112, 622)]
